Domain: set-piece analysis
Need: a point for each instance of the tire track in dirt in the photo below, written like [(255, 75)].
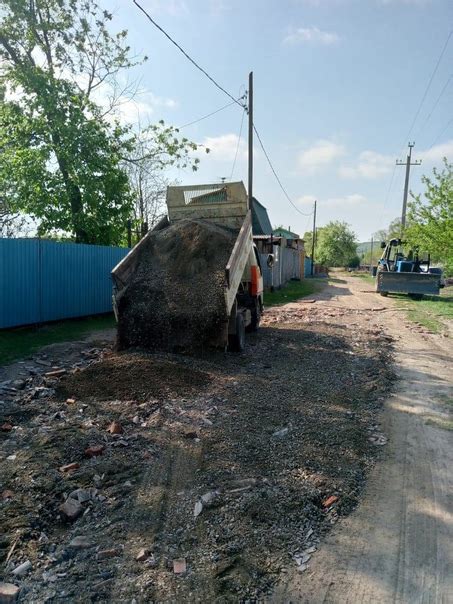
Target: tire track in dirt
[(398, 545)]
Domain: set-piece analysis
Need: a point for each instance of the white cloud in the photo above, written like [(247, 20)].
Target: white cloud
[(322, 153), (436, 153), (369, 165), (311, 35), (306, 200), (223, 148)]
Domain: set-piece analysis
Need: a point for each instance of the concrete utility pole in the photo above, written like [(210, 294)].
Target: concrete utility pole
[(313, 242), (250, 141), (408, 165)]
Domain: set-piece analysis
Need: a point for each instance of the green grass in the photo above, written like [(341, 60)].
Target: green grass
[(22, 342), (365, 276), (432, 311), (440, 422), (294, 290)]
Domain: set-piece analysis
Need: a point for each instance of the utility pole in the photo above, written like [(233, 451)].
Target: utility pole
[(371, 256), (250, 141), (313, 242), (408, 165)]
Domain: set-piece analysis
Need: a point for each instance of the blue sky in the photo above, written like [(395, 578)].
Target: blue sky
[(337, 86)]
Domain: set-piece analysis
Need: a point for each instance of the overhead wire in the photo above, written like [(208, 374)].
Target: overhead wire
[(429, 84), (234, 100), (237, 146), (428, 117), (188, 57), (209, 114), (444, 129), (276, 175)]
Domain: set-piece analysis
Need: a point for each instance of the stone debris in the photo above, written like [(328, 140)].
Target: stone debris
[(112, 552), (208, 490), (70, 467), (71, 509), (179, 566), (142, 555), (81, 542), (281, 433), (198, 509), (378, 439), (8, 592), (22, 569), (94, 450)]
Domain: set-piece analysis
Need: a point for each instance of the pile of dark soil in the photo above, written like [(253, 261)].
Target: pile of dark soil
[(175, 298), (132, 376)]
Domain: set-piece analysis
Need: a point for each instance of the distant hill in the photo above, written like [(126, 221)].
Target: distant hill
[(363, 248)]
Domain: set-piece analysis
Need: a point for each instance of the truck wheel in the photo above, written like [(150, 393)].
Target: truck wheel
[(415, 296), (384, 294), (256, 317), (236, 341)]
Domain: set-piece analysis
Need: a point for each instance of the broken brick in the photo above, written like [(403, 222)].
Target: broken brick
[(115, 428), (329, 501), (142, 555), (94, 450), (70, 467), (6, 427), (179, 566)]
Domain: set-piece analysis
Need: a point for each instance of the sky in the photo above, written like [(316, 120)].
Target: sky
[(337, 87)]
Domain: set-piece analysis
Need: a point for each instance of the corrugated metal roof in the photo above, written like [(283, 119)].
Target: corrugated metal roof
[(261, 225)]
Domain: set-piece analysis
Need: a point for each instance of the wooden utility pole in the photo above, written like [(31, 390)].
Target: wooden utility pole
[(408, 165), (371, 256), (313, 242), (250, 141)]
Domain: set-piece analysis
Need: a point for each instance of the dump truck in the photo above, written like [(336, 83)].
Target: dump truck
[(406, 273), (195, 279)]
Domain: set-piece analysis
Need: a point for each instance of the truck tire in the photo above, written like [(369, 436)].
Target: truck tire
[(384, 294), (256, 317), (415, 296), (236, 341)]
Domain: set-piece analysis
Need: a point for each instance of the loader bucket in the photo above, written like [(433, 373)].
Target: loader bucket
[(407, 283)]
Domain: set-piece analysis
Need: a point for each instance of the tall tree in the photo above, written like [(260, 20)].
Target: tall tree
[(336, 244), (430, 219), (62, 161)]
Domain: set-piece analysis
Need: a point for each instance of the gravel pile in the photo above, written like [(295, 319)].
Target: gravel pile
[(175, 298)]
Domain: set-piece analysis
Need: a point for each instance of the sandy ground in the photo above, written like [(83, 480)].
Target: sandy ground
[(398, 545)]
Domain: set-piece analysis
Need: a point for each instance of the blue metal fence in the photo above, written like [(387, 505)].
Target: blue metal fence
[(45, 280)]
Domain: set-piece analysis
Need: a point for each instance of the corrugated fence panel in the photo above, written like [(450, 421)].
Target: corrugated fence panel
[(47, 280), (19, 278)]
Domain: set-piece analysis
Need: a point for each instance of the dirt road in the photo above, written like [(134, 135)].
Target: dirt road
[(233, 477), (398, 545)]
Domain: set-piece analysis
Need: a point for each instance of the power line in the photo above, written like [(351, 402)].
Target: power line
[(441, 132), (429, 84), (276, 176), (237, 147), (435, 104), (209, 114), (185, 53)]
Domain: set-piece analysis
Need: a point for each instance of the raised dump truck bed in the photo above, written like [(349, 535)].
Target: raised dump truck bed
[(195, 279)]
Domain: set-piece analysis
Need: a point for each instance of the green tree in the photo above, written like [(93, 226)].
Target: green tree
[(62, 160), (430, 220), (336, 244)]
